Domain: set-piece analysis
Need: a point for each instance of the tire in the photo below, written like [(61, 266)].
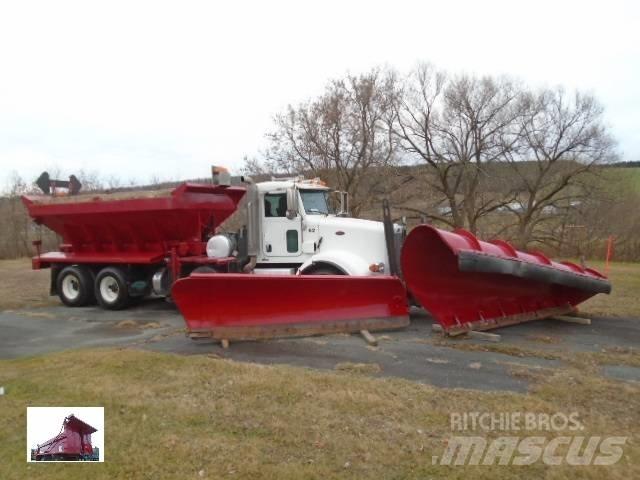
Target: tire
[(111, 289), (74, 285), (204, 269), (323, 269)]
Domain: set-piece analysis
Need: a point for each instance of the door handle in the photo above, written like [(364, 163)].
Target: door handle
[(269, 247)]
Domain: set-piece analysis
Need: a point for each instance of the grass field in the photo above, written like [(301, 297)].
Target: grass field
[(623, 176), (170, 416), (633, 174), (624, 300), (20, 286)]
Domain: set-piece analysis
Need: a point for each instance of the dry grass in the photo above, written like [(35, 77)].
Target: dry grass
[(503, 348), (608, 356), (624, 301), (587, 361), (364, 368), (170, 416), (20, 286)]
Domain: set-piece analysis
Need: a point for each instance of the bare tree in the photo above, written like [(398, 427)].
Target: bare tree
[(458, 126), (562, 139), (113, 181), (90, 179), (256, 166), (14, 237), (342, 136), (483, 153)]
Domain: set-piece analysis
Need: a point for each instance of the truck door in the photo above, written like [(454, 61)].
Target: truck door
[(281, 235)]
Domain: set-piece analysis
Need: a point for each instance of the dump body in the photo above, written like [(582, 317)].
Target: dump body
[(126, 245), (140, 229), (72, 443)]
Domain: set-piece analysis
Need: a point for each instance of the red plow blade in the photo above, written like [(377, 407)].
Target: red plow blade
[(248, 306), (468, 284)]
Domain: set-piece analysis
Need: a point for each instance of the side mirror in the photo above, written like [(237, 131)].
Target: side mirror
[(344, 204), (292, 203)]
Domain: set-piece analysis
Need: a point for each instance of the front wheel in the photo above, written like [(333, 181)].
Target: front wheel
[(323, 269), (74, 285), (111, 289)]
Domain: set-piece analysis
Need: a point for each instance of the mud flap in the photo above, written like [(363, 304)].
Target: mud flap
[(247, 307), (468, 284)]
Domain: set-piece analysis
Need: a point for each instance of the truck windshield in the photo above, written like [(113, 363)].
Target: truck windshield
[(316, 202)]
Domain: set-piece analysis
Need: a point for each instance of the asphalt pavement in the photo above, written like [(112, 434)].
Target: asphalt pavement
[(415, 353)]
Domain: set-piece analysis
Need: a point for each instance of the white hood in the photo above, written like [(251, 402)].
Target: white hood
[(363, 238)]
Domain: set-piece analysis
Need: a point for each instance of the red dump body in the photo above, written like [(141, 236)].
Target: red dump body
[(139, 230), (72, 443)]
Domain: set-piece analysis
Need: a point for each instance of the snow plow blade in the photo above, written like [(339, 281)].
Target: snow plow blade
[(468, 284), (250, 307)]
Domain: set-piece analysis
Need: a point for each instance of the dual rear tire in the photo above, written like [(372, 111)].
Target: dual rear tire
[(77, 287), (74, 285), (111, 288)]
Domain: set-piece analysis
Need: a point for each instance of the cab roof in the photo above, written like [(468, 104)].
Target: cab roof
[(284, 183)]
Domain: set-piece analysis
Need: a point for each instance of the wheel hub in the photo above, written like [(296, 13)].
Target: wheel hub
[(109, 289), (71, 287)]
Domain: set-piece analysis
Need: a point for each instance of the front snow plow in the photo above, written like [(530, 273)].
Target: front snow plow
[(250, 306), (468, 284)]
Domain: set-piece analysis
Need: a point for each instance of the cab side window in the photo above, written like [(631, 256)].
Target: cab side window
[(275, 205)]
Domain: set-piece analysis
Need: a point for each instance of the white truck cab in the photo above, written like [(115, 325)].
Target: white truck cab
[(301, 233)]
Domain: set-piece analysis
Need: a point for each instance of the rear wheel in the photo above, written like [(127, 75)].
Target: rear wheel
[(74, 285), (111, 288)]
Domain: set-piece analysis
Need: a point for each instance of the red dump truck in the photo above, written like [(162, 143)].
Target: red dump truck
[(296, 268), (118, 247), (73, 443)]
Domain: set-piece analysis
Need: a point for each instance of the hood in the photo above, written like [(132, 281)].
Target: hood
[(332, 224), (363, 238)]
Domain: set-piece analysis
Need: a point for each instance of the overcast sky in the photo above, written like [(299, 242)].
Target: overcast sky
[(142, 89)]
